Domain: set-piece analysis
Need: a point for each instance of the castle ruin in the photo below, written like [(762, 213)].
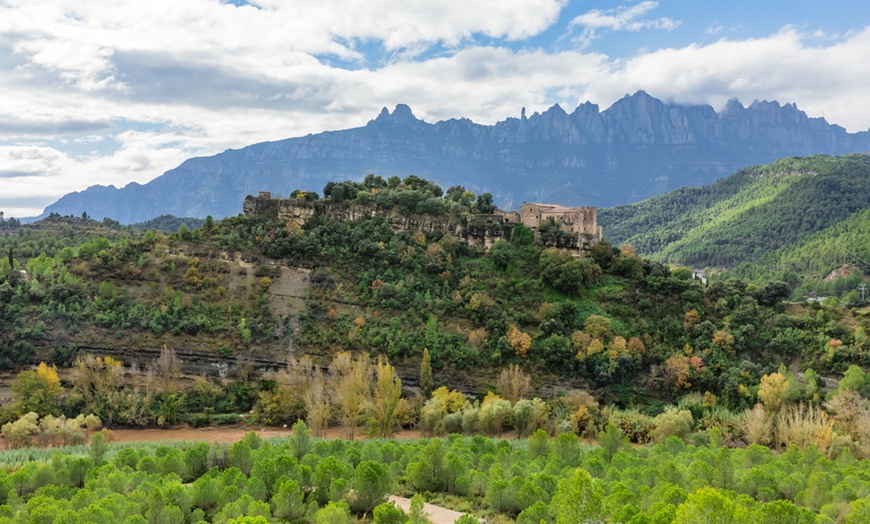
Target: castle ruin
[(578, 226), (573, 220)]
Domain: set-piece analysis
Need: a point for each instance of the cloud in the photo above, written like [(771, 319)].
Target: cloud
[(17, 126), (128, 90), (622, 18)]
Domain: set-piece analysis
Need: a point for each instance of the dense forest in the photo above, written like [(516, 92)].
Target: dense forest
[(794, 220), (356, 325), (534, 480)]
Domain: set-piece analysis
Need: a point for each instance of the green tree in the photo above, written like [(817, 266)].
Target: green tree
[(578, 499), (301, 439), (389, 513), (709, 506), (611, 440), (326, 472), (38, 390), (288, 501), (427, 471), (783, 512), (417, 513), (332, 513), (427, 384), (371, 483)]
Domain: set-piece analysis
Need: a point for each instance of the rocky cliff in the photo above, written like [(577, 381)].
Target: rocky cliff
[(639, 147), (477, 230)]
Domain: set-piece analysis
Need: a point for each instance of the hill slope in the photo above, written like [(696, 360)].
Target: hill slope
[(805, 215), (637, 148)]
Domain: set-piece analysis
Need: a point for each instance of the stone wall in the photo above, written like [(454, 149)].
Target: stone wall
[(579, 221)]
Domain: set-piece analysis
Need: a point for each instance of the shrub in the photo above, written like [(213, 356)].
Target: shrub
[(803, 426), (636, 426), (672, 423), (757, 425), (389, 513)]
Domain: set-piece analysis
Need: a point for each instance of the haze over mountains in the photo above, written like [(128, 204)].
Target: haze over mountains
[(637, 148)]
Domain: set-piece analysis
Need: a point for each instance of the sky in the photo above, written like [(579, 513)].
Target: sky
[(114, 91)]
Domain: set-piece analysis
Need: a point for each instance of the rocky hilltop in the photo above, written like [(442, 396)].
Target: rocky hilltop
[(637, 148)]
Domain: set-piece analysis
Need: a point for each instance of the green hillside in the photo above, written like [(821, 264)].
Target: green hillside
[(797, 215), (258, 290)]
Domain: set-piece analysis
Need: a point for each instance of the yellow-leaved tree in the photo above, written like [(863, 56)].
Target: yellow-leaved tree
[(38, 390)]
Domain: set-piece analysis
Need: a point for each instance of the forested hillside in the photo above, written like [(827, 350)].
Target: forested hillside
[(796, 219), (354, 325), (257, 290)]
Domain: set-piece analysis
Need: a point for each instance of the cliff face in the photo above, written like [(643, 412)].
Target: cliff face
[(637, 148)]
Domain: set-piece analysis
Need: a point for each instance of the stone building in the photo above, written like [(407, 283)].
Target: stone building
[(574, 220)]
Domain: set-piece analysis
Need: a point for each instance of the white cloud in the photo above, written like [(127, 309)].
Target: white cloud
[(622, 18), (167, 80)]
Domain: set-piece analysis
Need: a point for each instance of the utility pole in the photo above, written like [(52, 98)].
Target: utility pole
[(863, 289)]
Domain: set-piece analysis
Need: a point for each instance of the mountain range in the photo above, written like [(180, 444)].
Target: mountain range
[(637, 148)]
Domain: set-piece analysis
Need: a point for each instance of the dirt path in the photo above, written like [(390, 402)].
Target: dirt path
[(211, 435), (437, 514), (228, 435)]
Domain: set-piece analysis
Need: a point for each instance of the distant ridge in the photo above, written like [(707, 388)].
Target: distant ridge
[(637, 148), (797, 218)]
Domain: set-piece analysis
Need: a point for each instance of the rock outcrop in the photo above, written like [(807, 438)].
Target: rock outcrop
[(480, 231)]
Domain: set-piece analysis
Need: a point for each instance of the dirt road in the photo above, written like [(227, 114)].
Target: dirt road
[(437, 514), (228, 435)]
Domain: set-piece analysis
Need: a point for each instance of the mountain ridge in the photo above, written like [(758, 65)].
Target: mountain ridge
[(796, 219), (636, 148)]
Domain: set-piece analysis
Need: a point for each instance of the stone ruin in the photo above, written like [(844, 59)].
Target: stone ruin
[(478, 230)]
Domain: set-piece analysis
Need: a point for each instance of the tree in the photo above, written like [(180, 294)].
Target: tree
[(371, 483), (326, 474), (578, 500), (388, 392), (783, 512), (773, 293), (332, 513), (611, 440), (417, 513), (484, 204), (350, 385), (520, 342), (301, 439), (709, 506), (494, 414), (389, 513), (288, 501), (539, 444), (164, 375), (21, 432), (38, 390), (318, 402), (427, 471), (773, 391), (427, 384), (513, 383)]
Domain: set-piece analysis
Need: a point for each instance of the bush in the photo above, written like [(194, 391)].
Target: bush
[(672, 423), (636, 426)]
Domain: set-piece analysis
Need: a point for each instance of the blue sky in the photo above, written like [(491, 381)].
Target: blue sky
[(109, 92)]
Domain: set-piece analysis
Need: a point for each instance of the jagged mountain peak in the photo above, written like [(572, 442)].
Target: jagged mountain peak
[(402, 114), (638, 147)]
